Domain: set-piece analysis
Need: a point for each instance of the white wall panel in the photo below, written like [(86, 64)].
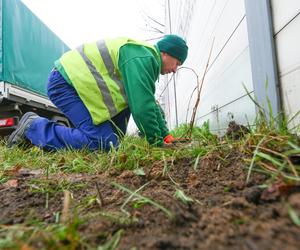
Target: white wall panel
[(286, 19), (220, 25), (223, 20), (288, 47), (290, 94), (283, 11), (220, 87), (227, 86)]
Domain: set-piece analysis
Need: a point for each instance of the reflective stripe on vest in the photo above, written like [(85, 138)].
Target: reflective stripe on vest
[(101, 84), (110, 66)]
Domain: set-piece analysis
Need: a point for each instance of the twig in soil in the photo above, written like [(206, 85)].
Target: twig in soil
[(100, 199), (66, 206), (113, 155), (227, 203)]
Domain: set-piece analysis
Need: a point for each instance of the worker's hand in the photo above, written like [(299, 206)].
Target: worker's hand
[(168, 139)]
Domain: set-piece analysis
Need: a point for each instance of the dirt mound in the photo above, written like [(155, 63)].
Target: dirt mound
[(236, 131)]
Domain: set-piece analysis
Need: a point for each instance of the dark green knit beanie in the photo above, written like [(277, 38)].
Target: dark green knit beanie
[(174, 46)]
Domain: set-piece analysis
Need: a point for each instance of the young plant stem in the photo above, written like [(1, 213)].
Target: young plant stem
[(47, 193), (253, 158), (132, 196), (199, 89), (100, 199)]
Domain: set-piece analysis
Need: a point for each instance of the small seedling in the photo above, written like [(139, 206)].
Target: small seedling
[(145, 199), (139, 172), (196, 164), (113, 243), (180, 195), (293, 216), (227, 189)]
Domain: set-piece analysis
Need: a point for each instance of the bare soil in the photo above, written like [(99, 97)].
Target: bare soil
[(226, 212)]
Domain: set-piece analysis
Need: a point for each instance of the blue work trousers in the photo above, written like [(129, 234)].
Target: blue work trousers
[(53, 136)]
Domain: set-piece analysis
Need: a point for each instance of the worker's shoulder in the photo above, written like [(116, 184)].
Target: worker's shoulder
[(136, 50)]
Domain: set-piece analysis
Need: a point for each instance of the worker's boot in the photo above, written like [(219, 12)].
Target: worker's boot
[(18, 136)]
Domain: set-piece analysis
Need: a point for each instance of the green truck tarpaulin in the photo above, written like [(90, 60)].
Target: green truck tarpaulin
[(28, 48)]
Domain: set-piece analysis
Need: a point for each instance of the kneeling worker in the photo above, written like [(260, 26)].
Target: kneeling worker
[(97, 86)]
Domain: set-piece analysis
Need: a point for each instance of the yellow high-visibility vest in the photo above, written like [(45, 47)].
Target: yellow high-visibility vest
[(94, 72)]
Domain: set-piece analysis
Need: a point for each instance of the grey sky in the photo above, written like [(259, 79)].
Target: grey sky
[(78, 21)]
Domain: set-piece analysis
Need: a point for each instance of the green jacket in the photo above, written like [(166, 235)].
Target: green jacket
[(140, 69)]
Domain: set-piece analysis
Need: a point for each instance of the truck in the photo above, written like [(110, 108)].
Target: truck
[(28, 49)]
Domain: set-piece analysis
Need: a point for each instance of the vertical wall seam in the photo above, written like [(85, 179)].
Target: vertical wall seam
[(263, 55)]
